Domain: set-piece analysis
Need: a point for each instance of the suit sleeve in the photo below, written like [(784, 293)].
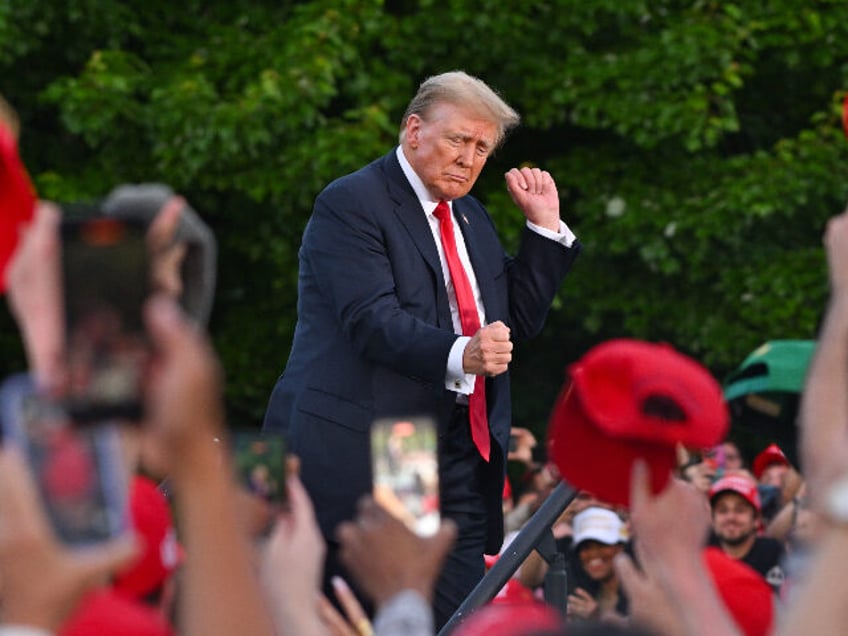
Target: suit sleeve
[(535, 275), (346, 250)]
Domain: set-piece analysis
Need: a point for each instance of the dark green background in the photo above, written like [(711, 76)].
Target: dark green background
[(697, 145)]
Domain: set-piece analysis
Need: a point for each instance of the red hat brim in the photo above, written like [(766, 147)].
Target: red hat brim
[(590, 459)]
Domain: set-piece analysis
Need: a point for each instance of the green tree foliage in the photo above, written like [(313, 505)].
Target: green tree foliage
[(697, 145)]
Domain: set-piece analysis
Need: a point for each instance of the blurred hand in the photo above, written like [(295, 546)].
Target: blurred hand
[(294, 559), (525, 442), (386, 557), (184, 404), (680, 507), (581, 604), (44, 581), (836, 246), (35, 297), (355, 622), (489, 351)]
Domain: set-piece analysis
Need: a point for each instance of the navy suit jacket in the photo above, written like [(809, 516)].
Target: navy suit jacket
[(374, 325)]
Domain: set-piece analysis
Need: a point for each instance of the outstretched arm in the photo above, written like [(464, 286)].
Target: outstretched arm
[(186, 415), (821, 603), (824, 403), (672, 594)]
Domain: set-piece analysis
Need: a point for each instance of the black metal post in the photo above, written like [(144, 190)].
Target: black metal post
[(515, 554)]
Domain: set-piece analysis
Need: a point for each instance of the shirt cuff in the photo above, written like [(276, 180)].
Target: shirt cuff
[(404, 613), (23, 630), (456, 379), (564, 237)]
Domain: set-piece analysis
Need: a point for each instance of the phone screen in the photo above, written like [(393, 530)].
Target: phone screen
[(260, 463), (406, 471), (106, 282), (79, 472)]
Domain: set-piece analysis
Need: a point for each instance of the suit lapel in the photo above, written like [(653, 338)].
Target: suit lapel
[(409, 211)]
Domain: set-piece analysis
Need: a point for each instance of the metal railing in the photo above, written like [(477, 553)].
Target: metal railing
[(536, 534)]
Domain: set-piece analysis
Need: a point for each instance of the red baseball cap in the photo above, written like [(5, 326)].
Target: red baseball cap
[(741, 485), (627, 400), (515, 618), (771, 455), (160, 553), (17, 199), (514, 591), (107, 612), (745, 593)]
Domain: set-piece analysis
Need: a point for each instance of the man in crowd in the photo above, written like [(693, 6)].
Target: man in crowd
[(736, 508), (408, 305)]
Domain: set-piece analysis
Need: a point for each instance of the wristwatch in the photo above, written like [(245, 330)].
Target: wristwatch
[(836, 501)]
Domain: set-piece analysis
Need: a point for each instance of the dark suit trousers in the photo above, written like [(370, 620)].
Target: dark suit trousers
[(469, 496)]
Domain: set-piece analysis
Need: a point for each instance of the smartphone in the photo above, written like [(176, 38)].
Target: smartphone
[(193, 250), (80, 474), (106, 280), (260, 462), (406, 470)]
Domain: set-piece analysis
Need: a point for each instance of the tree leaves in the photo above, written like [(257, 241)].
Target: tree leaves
[(697, 146)]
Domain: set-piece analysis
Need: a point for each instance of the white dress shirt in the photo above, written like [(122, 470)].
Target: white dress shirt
[(455, 377)]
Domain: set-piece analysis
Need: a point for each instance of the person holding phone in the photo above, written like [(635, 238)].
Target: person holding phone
[(408, 304)]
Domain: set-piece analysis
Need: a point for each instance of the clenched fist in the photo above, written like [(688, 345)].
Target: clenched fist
[(489, 352)]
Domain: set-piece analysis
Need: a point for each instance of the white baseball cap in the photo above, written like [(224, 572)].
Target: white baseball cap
[(598, 524)]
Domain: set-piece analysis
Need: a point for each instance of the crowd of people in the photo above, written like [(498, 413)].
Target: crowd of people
[(772, 545), (717, 546)]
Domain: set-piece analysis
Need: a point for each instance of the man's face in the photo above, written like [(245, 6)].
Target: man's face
[(734, 519), (732, 458), (449, 148), (774, 475)]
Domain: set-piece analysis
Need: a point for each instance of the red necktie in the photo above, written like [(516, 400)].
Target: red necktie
[(470, 320)]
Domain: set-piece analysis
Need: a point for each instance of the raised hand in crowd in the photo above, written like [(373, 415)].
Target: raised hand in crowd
[(43, 581), (221, 593), (34, 297), (292, 562), (524, 443), (670, 591), (354, 622), (823, 410), (392, 564), (819, 602)]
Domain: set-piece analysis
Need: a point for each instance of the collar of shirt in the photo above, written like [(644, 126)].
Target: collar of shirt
[(428, 203)]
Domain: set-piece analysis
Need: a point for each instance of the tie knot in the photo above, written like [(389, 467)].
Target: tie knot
[(442, 211)]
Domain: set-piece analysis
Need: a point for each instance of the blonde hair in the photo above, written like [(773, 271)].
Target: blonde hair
[(461, 89)]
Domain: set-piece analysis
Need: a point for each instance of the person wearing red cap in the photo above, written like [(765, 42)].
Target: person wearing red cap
[(680, 587), (771, 465), (736, 521), (150, 577)]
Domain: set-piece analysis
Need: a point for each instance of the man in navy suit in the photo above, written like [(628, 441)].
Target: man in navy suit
[(379, 333)]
